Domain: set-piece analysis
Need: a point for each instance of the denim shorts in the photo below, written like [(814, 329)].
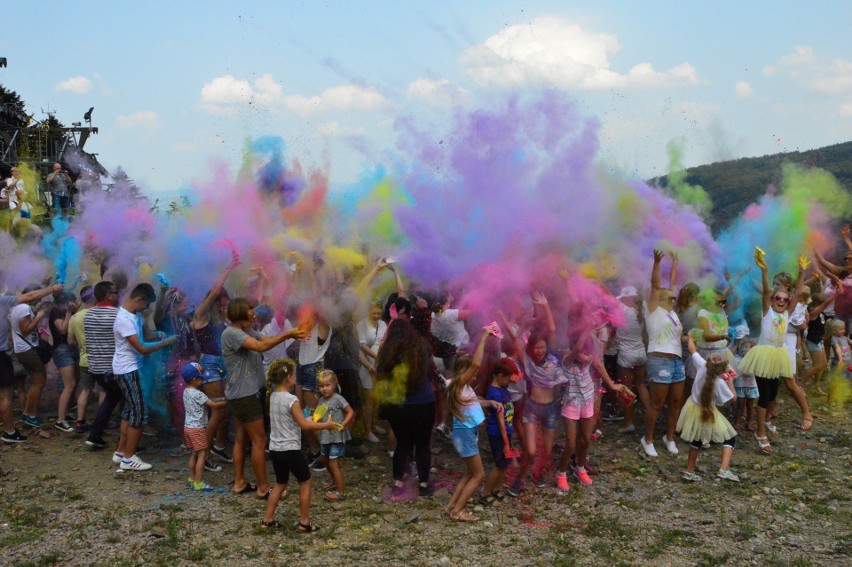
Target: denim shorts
[(466, 441), (214, 366), (665, 370), (545, 415), (306, 376), (333, 450), (813, 347), (750, 392), (65, 355)]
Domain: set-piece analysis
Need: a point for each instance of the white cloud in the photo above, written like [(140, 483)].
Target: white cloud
[(437, 92), (76, 85), (846, 110), (805, 67), (344, 97), (333, 129), (551, 50), (743, 89), (141, 119), (223, 95)]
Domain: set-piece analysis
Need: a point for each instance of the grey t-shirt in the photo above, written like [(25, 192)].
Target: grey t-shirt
[(336, 404), (285, 434), (7, 302), (244, 367)]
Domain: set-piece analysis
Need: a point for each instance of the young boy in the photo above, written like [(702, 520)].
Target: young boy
[(195, 403), (504, 374)]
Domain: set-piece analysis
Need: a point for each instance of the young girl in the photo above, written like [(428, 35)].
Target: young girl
[(700, 421), (769, 361), (815, 338), (285, 444), (467, 417), (746, 390), (578, 407), (333, 442), (195, 404), (840, 351)]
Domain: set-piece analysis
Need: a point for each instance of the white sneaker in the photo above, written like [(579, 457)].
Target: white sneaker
[(371, 438), (670, 445), (134, 463), (117, 457), (648, 447)]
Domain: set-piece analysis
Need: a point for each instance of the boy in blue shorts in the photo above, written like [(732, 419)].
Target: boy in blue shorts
[(504, 373)]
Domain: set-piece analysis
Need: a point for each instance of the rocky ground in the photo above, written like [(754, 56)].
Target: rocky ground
[(62, 504)]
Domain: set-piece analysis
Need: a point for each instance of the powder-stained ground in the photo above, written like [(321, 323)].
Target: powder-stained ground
[(62, 504)]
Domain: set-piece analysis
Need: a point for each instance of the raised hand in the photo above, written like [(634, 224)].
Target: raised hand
[(804, 262), (658, 255), (539, 298), (759, 258)]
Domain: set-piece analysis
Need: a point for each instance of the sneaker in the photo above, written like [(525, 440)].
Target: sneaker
[(582, 476), (691, 476), (648, 447), (31, 420), (64, 427), (379, 431), (318, 465), (371, 438), (210, 465), (221, 454), (201, 487), (728, 475), (671, 447), (425, 489), (444, 431), (81, 427), (515, 490), (14, 437), (95, 442), (134, 463), (539, 481), (117, 457), (562, 482), (627, 429), (412, 470)]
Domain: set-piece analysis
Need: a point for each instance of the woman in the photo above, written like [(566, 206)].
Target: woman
[(242, 349), (25, 339), (632, 358), (665, 369), (65, 357), (407, 400), (713, 326), (370, 333), (208, 322)]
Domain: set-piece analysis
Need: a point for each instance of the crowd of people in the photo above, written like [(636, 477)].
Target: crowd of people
[(303, 384)]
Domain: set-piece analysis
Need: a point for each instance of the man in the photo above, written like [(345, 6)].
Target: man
[(59, 183), (125, 367), (7, 372), (100, 349)]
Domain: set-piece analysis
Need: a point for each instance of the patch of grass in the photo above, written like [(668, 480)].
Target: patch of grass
[(602, 549), (197, 553), (711, 559)]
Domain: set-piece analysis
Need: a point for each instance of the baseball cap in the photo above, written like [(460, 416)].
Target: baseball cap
[(193, 370), (628, 291)]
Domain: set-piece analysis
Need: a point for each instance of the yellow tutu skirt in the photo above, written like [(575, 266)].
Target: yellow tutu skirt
[(691, 428), (767, 362)]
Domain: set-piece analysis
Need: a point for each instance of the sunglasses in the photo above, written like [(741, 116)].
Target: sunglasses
[(722, 302), (780, 299)]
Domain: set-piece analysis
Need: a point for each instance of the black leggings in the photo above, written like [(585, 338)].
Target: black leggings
[(767, 389), (412, 426), (697, 444)]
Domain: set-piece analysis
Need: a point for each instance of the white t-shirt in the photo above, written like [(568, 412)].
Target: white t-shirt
[(284, 434), (194, 401), (798, 317), (273, 329), (19, 312), (721, 393), (447, 327), (11, 193), (664, 331), (124, 360)]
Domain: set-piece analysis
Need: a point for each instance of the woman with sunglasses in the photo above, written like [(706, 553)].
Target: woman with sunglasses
[(664, 369), (713, 324), (769, 361)]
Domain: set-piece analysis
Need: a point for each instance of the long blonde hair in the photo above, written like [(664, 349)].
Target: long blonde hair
[(455, 401), (278, 372), (717, 364)]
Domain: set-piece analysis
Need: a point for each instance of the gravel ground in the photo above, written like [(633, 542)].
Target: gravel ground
[(62, 504)]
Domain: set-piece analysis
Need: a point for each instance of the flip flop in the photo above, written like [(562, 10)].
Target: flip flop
[(249, 487), (464, 516), (807, 424), (308, 528)]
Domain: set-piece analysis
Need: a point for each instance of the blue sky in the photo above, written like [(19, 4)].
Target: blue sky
[(175, 84)]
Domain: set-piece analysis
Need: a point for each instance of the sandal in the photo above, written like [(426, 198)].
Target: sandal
[(334, 496), (488, 501), (807, 423), (770, 427), (265, 496), (308, 528), (249, 487), (464, 516), (763, 444), (273, 525)]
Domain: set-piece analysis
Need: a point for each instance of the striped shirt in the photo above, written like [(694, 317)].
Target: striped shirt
[(100, 340)]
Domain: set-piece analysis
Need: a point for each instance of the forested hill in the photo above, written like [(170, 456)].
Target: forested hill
[(733, 185)]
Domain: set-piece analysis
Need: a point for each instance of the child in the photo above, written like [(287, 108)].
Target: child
[(498, 421), (285, 444), (840, 351), (701, 422), (578, 407), (467, 417), (195, 403), (746, 389), (333, 443)]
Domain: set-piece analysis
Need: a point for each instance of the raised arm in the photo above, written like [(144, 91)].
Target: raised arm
[(656, 278), (364, 285), (400, 287), (31, 296), (827, 266), (846, 240), (673, 274), (540, 300), (469, 374), (800, 284), (199, 318)]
